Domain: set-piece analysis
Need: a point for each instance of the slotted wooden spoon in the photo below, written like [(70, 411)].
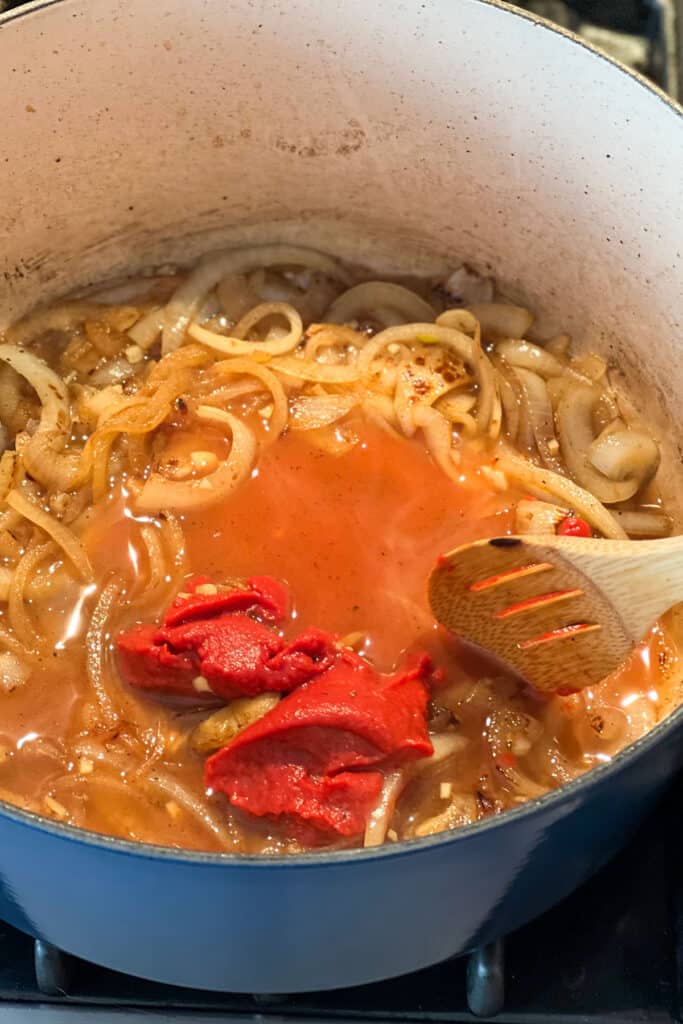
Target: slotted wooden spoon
[(564, 612)]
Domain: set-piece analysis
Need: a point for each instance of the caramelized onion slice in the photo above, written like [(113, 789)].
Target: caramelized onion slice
[(146, 331), (439, 437), (502, 320), (250, 368), (574, 416), (67, 541), (50, 388), (533, 516), (467, 349), (237, 344), (158, 493), (309, 412), (319, 373), (65, 317), (45, 458), (465, 286), (425, 333), (380, 815), (530, 357), (652, 522), (186, 301), (222, 726), (372, 298), (540, 411), (546, 484), (623, 454)]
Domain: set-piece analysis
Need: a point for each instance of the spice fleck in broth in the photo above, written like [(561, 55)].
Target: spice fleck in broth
[(217, 529)]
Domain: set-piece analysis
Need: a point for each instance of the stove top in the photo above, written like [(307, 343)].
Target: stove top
[(611, 951), (646, 35)]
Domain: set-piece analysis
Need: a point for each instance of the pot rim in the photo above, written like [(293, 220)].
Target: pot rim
[(531, 809)]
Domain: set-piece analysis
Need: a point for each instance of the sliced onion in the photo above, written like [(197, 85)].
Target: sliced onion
[(546, 484), (334, 440), (467, 349), (115, 371), (606, 412), (644, 522), (446, 745), (23, 627), (624, 454), (496, 421), (97, 406), (331, 336), (235, 296), (5, 583), (146, 331), (511, 396), (439, 437), (50, 388), (457, 408), (533, 516), (590, 365), (461, 320), (96, 651), (186, 301), (380, 815), (462, 810), (574, 417), (501, 320), (540, 417), (8, 466), (489, 409), (10, 392), (373, 298), (164, 782), (530, 357), (45, 458), (309, 412), (321, 373), (465, 286), (420, 383), (62, 536), (236, 344), (222, 726), (159, 493), (65, 317), (425, 333), (271, 287), (13, 672), (559, 346), (250, 368), (380, 410)]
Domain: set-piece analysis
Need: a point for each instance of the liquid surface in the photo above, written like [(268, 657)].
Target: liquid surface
[(273, 413), (353, 535)]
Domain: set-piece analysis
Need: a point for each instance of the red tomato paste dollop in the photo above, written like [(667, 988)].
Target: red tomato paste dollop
[(317, 760), (220, 644), (319, 756)]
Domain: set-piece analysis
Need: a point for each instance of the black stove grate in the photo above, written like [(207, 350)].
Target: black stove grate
[(610, 951)]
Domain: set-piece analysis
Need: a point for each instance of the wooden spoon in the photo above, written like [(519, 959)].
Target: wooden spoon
[(564, 612)]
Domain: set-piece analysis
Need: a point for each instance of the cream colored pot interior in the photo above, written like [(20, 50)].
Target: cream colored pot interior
[(407, 136)]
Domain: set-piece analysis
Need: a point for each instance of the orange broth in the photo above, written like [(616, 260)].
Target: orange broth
[(354, 535)]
